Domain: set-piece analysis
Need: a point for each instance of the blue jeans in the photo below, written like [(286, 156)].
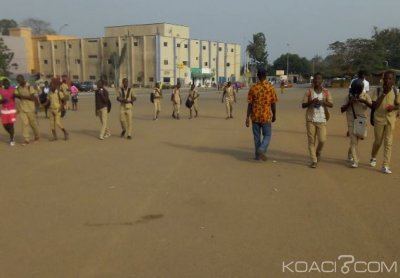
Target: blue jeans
[(262, 145)]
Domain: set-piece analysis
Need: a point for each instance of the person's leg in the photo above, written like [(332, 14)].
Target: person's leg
[(10, 130), (256, 128), (155, 109), (321, 133), (25, 127), (388, 142), (228, 108), (122, 119), (53, 125), (378, 134), (353, 147), (129, 121), (231, 108), (34, 125), (267, 133), (196, 109), (190, 112), (311, 136), (178, 108), (103, 120)]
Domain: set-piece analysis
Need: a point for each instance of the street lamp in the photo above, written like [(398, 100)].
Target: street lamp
[(287, 62)]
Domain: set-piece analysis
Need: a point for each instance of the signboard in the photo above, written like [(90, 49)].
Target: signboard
[(280, 72), (180, 66)]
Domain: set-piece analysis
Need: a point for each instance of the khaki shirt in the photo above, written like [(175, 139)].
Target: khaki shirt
[(177, 96), (128, 95), (55, 100), (27, 106), (193, 95), (310, 110), (381, 115), (360, 109), (229, 93), (157, 94)]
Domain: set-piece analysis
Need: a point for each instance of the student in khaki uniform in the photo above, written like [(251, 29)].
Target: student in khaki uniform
[(56, 102), (176, 101), (194, 96), (27, 95), (126, 98), (358, 101), (385, 102), (103, 107), (64, 88), (316, 100), (157, 101), (229, 96)]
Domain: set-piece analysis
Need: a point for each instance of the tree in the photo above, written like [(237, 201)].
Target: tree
[(257, 51), (39, 27), (299, 65), (6, 57), (5, 25), (388, 41)]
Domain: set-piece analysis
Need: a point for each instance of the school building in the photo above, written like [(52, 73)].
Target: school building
[(145, 54)]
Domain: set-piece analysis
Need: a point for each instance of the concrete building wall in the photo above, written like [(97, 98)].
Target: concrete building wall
[(163, 29), (16, 45), (26, 34)]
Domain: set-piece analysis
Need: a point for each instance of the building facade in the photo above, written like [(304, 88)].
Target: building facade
[(144, 54)]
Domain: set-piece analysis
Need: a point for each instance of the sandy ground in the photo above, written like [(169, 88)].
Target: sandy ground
[(185, 199)]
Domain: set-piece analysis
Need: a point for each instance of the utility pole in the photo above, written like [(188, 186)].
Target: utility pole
[(287, 62)]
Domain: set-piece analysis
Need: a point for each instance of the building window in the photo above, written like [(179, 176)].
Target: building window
[(165, 62), (116, 44), (41, 47), (135, 43), (92, 56), (165, 44), (104, 44), (228, 64), (204, 47), (109, 61), (92, 77), (197, 42), (232, 50), (45, 62), (214, 59), (178, 45), (139, 79), (206, 64), (69, 45), (151, 79), (76, 77), (220, 48), (57, 61), (55, 46), (78, 61), (92, 40), (215, 44), (197, 58), (186, 46), (185, 63)]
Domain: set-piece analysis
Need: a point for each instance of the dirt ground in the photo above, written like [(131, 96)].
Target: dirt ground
[(184, 198)]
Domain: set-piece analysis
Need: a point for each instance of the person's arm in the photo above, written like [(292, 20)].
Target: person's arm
[(307, 101), (327, 102), (378, 101), (273, 109), (234, 96), (119, 97), (249, 109), (346, 106), (367, 102), (223, 94)]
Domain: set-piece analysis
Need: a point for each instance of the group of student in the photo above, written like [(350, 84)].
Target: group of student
[(384, 105)]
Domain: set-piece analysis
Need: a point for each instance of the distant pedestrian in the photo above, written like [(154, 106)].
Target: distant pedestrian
[(355, 105), (103, 107), (8, 109), (126, 97), (67, 93), (43, 98), (316, 100), (229, 96), (176, 101), (157, 96), (74, 97), (282, 86), (193, 97), (361, 75), (385, 103), (27, 95), (261, 110)]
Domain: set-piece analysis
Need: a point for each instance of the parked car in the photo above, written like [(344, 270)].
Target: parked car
[(86, 86)]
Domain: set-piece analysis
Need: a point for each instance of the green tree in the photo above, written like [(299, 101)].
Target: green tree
[(39, 27), (257, 51), (6, 57), (388, 41), (297, 64), (6, 24)]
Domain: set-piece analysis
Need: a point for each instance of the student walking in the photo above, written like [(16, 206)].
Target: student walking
[(229, 96), (27, 109), (56, 102), (385, 103), (262, 111), (316, 100), (356, 105), (126, 98), (103, 107), (176, 101), (74, 97), (193, 99), (43, 97), (8, 109), (157, 96)]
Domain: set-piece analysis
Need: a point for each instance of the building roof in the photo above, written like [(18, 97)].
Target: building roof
[(144, 24)]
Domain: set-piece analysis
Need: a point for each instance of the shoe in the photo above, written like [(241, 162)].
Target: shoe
[(25, 143), (107, 135), (262, 155), (354, 165), (66, 135), (372, 162), (12, 143), (231, 117), (123, 133), (129, 137), (313, 165), (350, 159), (227, 118), (101, 137), (386, 170)]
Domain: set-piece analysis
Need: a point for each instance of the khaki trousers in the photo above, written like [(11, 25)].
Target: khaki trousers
[(55, 120), (103, 115), (125, 116), (177, 108), (316, 132), (353, 148), (383, 133), (29, 120), (157, 107), (229, 106)]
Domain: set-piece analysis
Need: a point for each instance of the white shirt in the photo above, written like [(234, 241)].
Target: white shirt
[(366, 85), (319, 113)]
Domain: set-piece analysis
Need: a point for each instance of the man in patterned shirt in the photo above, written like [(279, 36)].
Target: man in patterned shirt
[(262, 111)]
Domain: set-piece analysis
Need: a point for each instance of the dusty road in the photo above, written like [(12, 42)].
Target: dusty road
[(185, 199)]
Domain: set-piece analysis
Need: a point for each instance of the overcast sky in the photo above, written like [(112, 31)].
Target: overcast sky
[(308, 26)]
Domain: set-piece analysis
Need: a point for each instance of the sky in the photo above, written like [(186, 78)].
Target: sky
[(305, 27)]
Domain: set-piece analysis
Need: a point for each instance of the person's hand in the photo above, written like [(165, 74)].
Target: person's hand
[(389, 108), (247, 122), (273, 118)]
